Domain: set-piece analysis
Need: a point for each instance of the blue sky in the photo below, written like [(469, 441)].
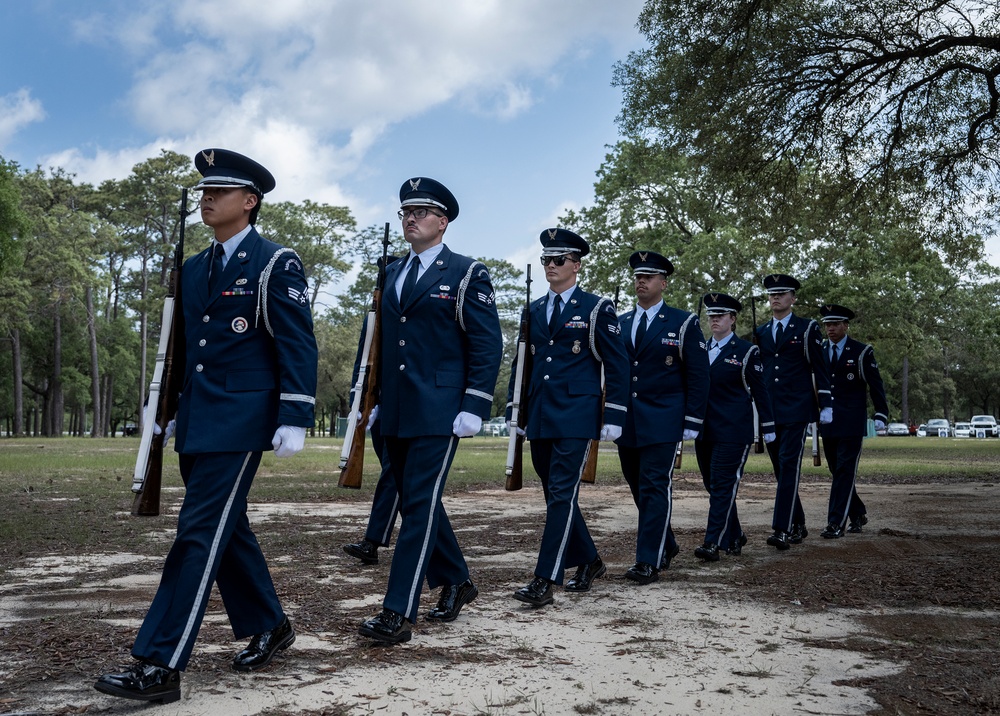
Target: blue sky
[(509, 103)]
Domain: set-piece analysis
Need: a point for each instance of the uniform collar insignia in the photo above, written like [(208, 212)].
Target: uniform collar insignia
[(209, 158)]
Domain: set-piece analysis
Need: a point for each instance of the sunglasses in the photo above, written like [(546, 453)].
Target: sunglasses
[(557, 260)]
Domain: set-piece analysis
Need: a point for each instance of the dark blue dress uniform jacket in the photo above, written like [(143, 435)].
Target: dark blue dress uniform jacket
[(565, 383), (737, 376), (240, 382), (426, 378), (855, 374), (789, 367), (668, 385)]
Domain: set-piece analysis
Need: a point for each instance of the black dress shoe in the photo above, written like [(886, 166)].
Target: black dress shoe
[(388, 627), (798, 533), (537, 593), (143, 682), (832, 531), (585, 574), (263, 647), (453, 598), (708, 552), (736, 548), (643, 573), (668, 556), (364, 550), (857, 524), (780, 540)]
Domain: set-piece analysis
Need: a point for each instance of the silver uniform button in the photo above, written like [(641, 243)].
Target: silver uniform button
[(635, 379), (202, 342), (402, 319), (635, 362), (199, 367), (402, 343), (205, 319), (402, 367), (551, 343), (548, 359), (635, 395), (545, 377)]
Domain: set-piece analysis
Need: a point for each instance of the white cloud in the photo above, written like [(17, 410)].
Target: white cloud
[(17, 110)]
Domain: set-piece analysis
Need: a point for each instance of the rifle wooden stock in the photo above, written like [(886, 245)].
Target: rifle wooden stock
[(352, 457), (515, 464), (679, 456), (589, 474), (164, 389), (815, 445), (366, 390)]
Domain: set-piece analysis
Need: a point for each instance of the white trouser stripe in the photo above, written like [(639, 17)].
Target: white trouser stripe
[(798, 475), (569, 517), (431, 527), (205, 584), (670, 509), (392, 520), (732, 497)]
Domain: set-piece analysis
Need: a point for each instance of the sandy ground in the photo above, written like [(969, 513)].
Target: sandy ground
[(691, 643)]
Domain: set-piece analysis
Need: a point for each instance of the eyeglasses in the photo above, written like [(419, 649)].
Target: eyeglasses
[(418, 213), (557, 260)]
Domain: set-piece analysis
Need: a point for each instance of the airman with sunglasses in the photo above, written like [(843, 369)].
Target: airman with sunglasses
[(573, 334)]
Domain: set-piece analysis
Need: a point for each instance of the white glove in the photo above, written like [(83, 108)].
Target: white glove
[(826, 416), (879, 425), (466, 424), (518, 430), (610, 433), (690, 434), (171, 429), (288, 440), (372, 417), (770, 437)]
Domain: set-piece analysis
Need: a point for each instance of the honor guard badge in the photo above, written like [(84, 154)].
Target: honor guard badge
[(241, 255), (532, 349), (670, 360), (576, 346), (240, 325)]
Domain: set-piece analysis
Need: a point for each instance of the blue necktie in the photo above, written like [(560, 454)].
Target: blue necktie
[(409, 281), (640, 332), (215, 277), (554, 318), (833, 360), (779, 334)]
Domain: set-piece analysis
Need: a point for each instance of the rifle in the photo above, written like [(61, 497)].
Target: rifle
[(589, 474), (515, 442), (352, 456), (815, 445), (164, 389), (758, 434)]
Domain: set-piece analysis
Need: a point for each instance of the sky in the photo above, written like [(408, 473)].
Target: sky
[(509, 104)]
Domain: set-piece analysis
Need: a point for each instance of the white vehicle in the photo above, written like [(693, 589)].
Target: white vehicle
[(985, 426), (963, 430)]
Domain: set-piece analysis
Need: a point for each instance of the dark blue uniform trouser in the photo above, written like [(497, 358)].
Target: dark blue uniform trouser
[(566, 542), (214, 543), (721, 466), (649, 472), (786, 457), (842, 455), (426, 546), (385, 502)]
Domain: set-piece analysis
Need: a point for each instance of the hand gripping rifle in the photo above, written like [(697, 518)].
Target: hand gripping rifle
[(164, 388), (589, 474), (366, 390), (515, 442), (758, 434)]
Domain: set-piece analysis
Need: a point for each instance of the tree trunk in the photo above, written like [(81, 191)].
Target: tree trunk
[(57, 404), (95, 379), (18, 427), (905, 417)]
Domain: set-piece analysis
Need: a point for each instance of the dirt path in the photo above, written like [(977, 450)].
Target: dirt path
[(900, 619)]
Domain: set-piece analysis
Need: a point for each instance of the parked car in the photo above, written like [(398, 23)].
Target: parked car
[(940, 428), (496, 427), (897, 429), (963, 430), (985, 426), (921, 430)]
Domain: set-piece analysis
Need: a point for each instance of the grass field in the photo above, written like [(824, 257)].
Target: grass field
[(68, 494)]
